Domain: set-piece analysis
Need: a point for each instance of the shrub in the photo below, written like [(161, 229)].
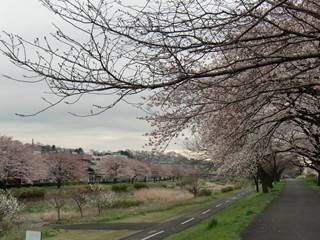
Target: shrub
[(9, 207), (119, 187), (100, 198), (204, 192), (27, 193), (139, 185), (213, 223), (250, 212), (56, 200), (227, 189)]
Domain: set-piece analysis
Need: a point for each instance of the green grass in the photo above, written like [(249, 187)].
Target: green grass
[(230, 222), (89, 234), (311, 183), (146, 212)]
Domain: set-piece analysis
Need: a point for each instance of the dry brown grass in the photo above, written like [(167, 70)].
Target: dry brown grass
[(51, 215), (162, 194), (215, 186)]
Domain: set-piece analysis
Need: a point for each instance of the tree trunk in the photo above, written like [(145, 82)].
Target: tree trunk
[(59, 214), (59, 183), (263, 178), (264, 185), (318, 180), (269, 181), (4, 184), (256, 182)]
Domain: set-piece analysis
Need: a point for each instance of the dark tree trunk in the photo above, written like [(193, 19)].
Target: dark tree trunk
[(264, 185), (59, 184), (132, 180), (256, 182), (263, 178), (4, 184), (269, 181)]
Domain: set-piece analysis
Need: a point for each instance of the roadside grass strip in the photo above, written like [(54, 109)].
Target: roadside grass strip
[(230, 222)]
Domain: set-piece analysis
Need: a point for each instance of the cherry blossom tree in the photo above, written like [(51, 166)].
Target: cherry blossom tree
[(161, 171), (139, 169), (167, 44), (101, 198), (18, 164), (302, 139), (193, 183), (57, 200), (244, 68), (114, 166), (178, 172), (80, 197), (62, 168)]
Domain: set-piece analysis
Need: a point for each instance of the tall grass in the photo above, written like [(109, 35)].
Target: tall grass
[(162, 194)]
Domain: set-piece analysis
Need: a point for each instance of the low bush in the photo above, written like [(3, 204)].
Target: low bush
[(227, 189), (28, 193), (120, 187), (212, 224), (139, 185), (204, 192)]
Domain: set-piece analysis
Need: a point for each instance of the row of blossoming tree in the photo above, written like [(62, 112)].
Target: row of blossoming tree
[(19, 165), (119, 166)]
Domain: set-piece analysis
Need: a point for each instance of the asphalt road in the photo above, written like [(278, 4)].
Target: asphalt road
[(163, 230), (294, 215), (156, 231)]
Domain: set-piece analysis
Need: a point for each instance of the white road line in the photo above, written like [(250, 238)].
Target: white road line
[(234, 198), (155, 234), (219, 205), (227, 201), (187, 221), (206, 211)]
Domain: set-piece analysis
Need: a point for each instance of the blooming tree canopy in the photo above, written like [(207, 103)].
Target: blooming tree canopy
[(62, 168), (114, 166), (18, 164), (244, 68)]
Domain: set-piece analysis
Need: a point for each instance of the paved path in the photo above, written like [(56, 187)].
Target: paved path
[(160, 231), (294, 215), (156, 231)]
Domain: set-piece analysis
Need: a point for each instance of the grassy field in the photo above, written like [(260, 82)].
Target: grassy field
[(157, 215), (158, 203), (230, 222)]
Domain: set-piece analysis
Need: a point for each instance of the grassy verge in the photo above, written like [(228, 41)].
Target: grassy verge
[(311, 182), (88, 234), (230, 222)]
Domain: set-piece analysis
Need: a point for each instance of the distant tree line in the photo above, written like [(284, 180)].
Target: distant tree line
[(19, 166)]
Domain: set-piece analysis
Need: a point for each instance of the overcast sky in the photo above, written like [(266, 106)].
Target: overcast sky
[(116, 129)]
